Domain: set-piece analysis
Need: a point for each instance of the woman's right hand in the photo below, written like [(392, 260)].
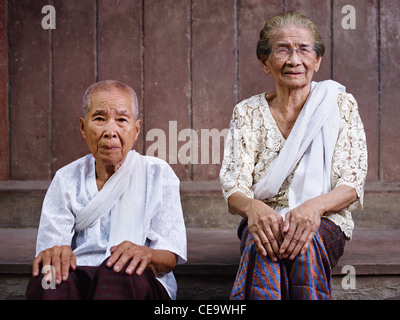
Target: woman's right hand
[(265, 225), (60, 257)]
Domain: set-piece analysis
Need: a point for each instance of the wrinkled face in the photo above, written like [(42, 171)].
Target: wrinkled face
[(295, 71), (110, 127)]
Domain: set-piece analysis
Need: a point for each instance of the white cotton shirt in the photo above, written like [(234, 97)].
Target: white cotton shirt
[(74, 186)]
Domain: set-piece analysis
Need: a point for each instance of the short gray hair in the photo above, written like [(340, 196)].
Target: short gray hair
[(106, 85), (264, 45)]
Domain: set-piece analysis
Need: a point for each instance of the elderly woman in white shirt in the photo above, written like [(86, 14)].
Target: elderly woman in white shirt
[(111, 225), (294, 168)]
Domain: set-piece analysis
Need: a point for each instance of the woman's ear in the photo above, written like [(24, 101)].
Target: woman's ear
[(317, 63), (82, 127), (265, 67)]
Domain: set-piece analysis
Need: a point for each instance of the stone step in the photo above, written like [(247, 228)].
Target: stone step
[(213, 257), (202, 203)]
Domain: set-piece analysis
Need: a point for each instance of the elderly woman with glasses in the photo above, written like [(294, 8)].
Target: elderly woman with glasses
[(294, 168)]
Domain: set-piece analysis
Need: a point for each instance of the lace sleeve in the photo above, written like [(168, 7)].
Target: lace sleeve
[(350, 157), (238, 163)]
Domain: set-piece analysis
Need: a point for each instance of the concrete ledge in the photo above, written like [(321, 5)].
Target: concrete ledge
[(216, 251), (202, 203), (213, 258)]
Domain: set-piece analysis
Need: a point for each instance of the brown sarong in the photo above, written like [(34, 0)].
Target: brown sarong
[(99, 283)]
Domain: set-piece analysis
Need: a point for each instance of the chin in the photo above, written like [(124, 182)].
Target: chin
[(295, 83), (110, 159)]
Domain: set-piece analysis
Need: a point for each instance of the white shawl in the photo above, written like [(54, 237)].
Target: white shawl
[(125, 194), (312, 140), (120, 194)]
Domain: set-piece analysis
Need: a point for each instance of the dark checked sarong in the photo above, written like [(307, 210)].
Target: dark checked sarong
[(307, 277), (99, 283)]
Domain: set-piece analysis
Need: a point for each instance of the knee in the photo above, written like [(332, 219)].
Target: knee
[(40, 288), (120, 285)]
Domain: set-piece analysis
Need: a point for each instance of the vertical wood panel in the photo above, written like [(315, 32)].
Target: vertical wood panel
[(54, 68), (30, 91), (355, 59), (390, 94), (74, 62), (321, 18), (167, 74), (252, 17), (4, 141), (214, 80), (120, 45)]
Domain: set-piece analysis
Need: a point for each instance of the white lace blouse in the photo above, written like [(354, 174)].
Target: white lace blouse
[(258, 141)]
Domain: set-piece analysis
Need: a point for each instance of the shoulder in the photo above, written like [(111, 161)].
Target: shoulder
[(68, 178), (74, 168), (251, 112), (151, 161), (157, 167), (246, 106), (347, 105)]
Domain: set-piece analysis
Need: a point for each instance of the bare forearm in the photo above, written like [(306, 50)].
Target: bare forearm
[(239, 204), (333, 201), (337, 199), (264, 223), (164, 261)]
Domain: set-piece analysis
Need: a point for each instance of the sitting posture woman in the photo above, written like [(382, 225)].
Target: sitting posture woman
[(294, 168)]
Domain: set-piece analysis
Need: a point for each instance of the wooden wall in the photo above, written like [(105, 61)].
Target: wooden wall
[(190, 62)]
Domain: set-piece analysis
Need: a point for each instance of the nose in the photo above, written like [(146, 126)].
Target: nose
[(110, 130), (294, 58), (109, 135)]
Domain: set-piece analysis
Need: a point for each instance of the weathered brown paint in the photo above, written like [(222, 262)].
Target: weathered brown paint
[(4, 141), (193, 62), (29, 81)]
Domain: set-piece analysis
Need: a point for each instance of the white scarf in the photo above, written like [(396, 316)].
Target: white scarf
[(125, 199), (125, 193), (312, 140)]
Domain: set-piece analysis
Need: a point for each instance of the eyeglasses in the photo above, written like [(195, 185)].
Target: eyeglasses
[(303, 52)]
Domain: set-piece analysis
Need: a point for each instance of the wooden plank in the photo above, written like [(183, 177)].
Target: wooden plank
[(390, 94), (167, 78), (29, 67), (355, 65), (214, 81), (4, 125), (74, 69), (318, 12), (252, 16), (120, 45)]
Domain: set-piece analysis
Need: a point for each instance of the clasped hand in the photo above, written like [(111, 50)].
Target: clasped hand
[(284, 239)]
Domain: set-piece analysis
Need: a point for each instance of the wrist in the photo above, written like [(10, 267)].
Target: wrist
[(318, 204), (321, 206)]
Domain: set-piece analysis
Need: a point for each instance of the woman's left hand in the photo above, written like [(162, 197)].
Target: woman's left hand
[(139, 258), (300, 226)]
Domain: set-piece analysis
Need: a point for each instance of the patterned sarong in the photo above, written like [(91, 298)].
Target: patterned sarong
[(307, 277)]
